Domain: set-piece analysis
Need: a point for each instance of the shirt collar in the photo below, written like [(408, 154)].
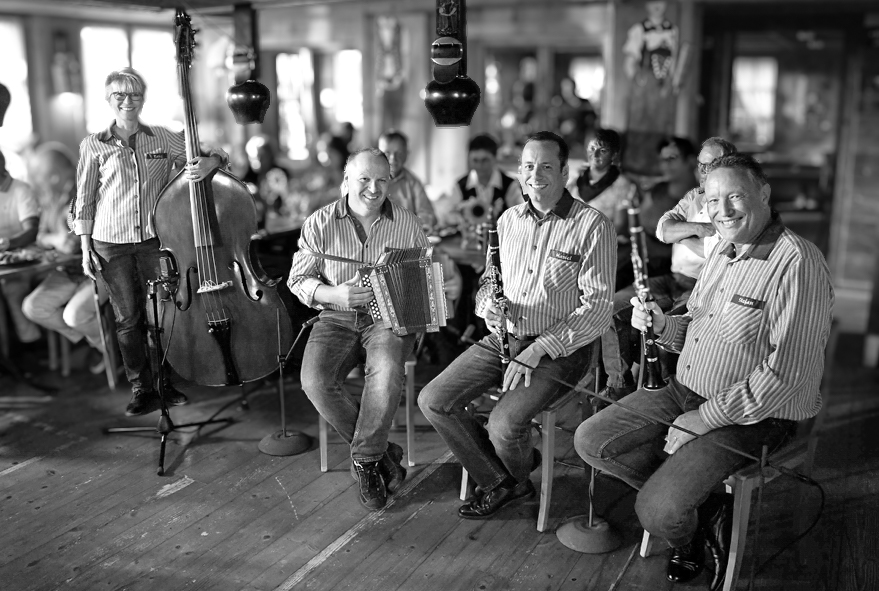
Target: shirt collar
[(561, 209), (765, 242), (342, 209), (107, 134), (5, 183), (494, 181)]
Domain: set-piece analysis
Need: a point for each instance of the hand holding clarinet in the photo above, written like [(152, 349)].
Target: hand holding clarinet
[(644, 305)]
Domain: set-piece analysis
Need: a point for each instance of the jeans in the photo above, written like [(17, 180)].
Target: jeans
[(671, 487), (66, 305), (338, 343), (620, 345), (505, 449), (125, 270)]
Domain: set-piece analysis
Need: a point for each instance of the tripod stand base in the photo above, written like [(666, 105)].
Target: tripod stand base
[(280, 443), (578, 535)]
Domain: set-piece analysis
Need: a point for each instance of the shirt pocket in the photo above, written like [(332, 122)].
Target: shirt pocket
[(740, 324), (560, 275)]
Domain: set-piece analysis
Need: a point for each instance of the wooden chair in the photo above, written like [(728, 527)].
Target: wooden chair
[(546, 423), (59, 352), (409, 395), (798, 454)]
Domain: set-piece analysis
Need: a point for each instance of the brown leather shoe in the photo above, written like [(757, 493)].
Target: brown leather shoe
[(487, 504)]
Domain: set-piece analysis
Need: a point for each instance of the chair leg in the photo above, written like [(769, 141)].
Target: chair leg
[(741, 513), (322, 443), (646, 544), (547, 420), (466, 485), (410, 412), (52, 338), (64, 345)]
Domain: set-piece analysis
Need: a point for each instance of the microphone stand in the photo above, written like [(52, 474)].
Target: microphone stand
[(283, 442), (165, 425)]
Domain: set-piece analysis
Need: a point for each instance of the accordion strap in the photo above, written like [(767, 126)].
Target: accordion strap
[(331, 257)]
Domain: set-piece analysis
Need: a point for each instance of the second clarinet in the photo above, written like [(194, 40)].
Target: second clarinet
[(496, 285), (653, 371)]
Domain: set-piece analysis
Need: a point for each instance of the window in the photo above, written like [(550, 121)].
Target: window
[(105, 49), (295, 79), (752, 105), (17, 124)]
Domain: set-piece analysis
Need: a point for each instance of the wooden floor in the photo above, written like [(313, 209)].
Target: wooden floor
[(83, 510)]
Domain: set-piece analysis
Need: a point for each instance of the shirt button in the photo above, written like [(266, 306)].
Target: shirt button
[(696, 340), (524, 293), (711, 315), (534, 247), (721, 290), (688, 367), (530, 270)]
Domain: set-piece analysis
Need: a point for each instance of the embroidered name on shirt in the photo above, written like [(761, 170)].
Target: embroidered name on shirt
[(748, 302), (564, 256), (156, 155)]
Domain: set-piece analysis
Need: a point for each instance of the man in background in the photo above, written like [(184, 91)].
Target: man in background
[(406, 189)]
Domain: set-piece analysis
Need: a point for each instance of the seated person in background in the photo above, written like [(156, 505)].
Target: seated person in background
[(620, 348), (269, 177), (485, 183), (64, 300), (358, 226), (751, 346), (406, 189), (19, 223), (601, 184), (559, 289)]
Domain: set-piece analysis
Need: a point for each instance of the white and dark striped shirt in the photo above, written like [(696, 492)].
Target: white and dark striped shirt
[(118, 184), (558, 274), (333, 230), (753, 340)]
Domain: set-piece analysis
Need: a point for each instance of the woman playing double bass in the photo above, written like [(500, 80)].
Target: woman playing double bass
[(121, 172)]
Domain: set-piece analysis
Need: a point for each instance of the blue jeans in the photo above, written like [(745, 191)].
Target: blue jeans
[(125, 269), (620, 345), (338, 343), (671, 487), (505, 449)]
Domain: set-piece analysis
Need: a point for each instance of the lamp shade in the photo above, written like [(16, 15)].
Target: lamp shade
[(452, 104), (249, 101)]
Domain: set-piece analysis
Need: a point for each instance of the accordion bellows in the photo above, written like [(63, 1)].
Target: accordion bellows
[(408, 289)]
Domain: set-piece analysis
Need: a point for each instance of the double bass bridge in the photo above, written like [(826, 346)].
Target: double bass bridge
[(209, 286)]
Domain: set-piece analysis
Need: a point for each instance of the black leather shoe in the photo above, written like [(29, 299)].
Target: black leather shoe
[(174, 397), (686, 562), (392, 469), (487, 504), (715, 517), (143, 402), (373, 494)]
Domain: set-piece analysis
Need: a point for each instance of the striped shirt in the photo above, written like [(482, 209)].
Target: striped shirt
[(333, 230), (407, 191), (118, 184), (752, 342), (691, 208), (558, 274)]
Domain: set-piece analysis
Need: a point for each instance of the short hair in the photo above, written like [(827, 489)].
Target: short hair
[(128, 78), (484, 142), (58, 155), (609, 139), (684, 146), (744, 162), (371, 151), (395, 134), (548, 136), (726, 147)]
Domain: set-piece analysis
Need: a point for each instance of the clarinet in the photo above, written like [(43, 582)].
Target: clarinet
[(653, 379), (496, 284)]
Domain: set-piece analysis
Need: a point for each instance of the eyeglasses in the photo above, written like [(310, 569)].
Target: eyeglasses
[(121, 96), (669, 158)]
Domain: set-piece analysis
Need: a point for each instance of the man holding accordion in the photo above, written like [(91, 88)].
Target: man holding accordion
[(557, 259), (751, 346)]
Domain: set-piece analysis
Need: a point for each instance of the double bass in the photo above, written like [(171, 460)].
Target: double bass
[(225, 323)]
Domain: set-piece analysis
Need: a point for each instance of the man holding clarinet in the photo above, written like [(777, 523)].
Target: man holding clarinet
[(752, 356), (556, 259)]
